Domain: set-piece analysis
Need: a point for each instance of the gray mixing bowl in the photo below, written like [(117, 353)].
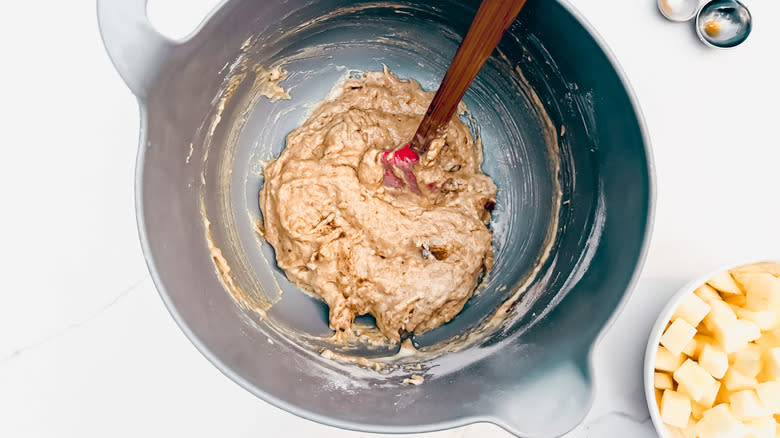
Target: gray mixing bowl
[(563, 138)]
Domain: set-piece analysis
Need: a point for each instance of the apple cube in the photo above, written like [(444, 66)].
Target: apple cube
[(663, 381), (675, 408), (689, 431), (714, 360), (762, 291), (723, 395), (745, 405), (768, 341), (677, 336), (703, 330), (719, 311), (767, 267), (769, 394), (736, 381), (719, 422), (708, 399), (697, 410), (666, 361), (765, 319), (735, 300), (731, 337), (674, 432), (707, 294), (748, 361), (762, 427), (724, 283), (722, 308), (693, 310), (701, 342), (771, 368), (730, 333), (695, 378), (751, 330), (690, 349)]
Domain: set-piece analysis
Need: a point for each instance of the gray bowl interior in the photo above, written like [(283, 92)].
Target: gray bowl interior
[(531, 375)]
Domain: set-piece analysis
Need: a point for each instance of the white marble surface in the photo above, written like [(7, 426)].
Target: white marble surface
[(86, 346)]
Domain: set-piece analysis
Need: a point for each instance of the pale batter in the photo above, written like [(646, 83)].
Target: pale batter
[(410, 260)]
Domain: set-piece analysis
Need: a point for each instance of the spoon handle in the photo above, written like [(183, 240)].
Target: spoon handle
[(490, 22)]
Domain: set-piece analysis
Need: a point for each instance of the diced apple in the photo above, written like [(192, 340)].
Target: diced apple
[(675, 408), (701, 342), (684, 391), (707, 293), (768, 267), (663, 381), (695, 378), (719, 310), (769, 394), (762, 291), (719, 422), (731, 337), (736, 381), (765, 319), (692, 309), (745, 405), (735, 300), (771, 364), (674, 432), (690, 349), (697, 410), (708, 399), (714, 360), (730, 333), (666, 361), (703, 330), (677, 336), (762, 427), (724, 283), (751, 330), (723, 395), (689, 431), (768, 341), (748, 360)]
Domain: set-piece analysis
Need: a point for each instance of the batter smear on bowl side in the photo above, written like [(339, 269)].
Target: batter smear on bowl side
[(411, 260)]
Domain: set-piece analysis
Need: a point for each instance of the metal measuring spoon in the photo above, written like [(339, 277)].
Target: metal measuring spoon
[(723, 23), (679, 10)]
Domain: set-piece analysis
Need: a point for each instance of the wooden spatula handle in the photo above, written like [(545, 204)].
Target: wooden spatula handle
[(490, 22)]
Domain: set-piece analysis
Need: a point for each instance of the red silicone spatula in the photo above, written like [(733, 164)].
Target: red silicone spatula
[(489, 24)]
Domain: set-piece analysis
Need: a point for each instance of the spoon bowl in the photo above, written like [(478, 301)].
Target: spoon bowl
[(723, 23)]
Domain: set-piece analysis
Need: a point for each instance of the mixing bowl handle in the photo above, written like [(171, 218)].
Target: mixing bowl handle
[(549, 404), (137, 50)]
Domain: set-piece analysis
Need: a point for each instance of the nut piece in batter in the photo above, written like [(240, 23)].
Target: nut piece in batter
[(410, 260)]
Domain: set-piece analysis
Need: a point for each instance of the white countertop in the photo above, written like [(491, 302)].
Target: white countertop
[(87, 348)]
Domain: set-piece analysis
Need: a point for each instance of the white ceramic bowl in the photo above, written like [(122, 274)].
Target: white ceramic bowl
[(657, 331)]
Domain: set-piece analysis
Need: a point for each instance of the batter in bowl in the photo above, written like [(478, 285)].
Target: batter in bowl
[(411, 260)]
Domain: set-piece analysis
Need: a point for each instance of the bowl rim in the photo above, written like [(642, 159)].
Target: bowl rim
[(665, 315)]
